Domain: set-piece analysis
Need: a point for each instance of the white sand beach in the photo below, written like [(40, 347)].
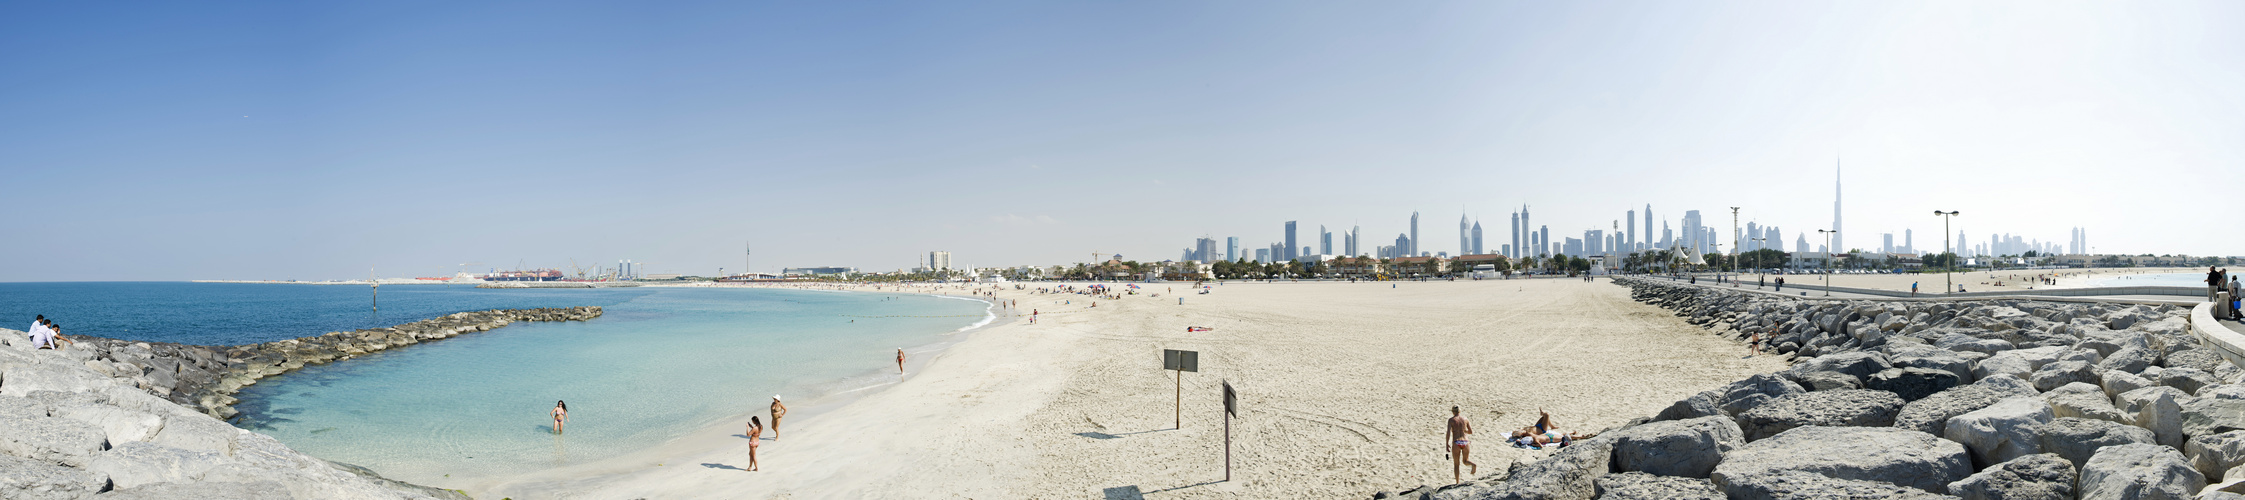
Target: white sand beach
[(1344, 388)]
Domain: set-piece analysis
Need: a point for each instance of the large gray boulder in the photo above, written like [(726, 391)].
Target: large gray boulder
[(198, 433), (2009, 385), (2077, 439), (2139, 471), (2159, 409), (1754, 391), (2116, 383), (134, 464), (1829, 381), (1570, 473), (1860, 364), (23, 478), (2000, 432), (2213, 454), (2190, 380), (1932, 358), (1966, 343), (265, 490), (2204, 416), (1793, 485), (119, 424), (2030, 477), (23, 379), (1931, 415), (1882, 454), (1912, 384), (2128, 359), (1854, 408), (1642, 486), (2060, 373), (2198, 358), (52, 440), (1707, 403), (2016, 366), (2079, 400), (1688, 448)]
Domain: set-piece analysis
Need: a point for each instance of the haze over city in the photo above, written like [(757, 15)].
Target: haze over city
[(170, 142)]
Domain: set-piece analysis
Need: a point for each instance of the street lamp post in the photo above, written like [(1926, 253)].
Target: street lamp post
[(1734, 240), (1827, 260), (1946, 279)]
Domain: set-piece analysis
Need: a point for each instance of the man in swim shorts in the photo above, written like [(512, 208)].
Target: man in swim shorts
[(1460, 448)]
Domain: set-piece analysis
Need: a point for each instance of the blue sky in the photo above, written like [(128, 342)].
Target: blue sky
[(314, 141)]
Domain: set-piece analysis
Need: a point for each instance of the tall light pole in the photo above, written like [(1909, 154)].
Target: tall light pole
[(1946, 280), (1734, 240), (1828, 259)]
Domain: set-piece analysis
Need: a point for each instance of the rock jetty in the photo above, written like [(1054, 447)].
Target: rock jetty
[(1983, 399), (205, 378), (117, 419)]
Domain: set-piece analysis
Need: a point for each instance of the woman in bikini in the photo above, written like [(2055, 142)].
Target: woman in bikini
[(560, 415), (755, 434)]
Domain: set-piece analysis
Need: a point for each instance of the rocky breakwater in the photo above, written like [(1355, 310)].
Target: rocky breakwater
[(1920, 399), (204, 378), (70, 430)]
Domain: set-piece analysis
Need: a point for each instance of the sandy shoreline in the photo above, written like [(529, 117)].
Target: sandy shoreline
[(1343, 387)]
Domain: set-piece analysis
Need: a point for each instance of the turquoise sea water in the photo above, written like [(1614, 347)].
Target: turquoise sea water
[(660, 363), (652, 369)]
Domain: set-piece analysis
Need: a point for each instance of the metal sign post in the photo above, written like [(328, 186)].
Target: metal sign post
[(1182, 361), (1231, 408)]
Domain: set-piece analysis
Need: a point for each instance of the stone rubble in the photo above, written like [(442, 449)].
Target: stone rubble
[(2000, 398), (116, 419)]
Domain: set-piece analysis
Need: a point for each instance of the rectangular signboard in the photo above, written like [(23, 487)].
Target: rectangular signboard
[(1172, 359)]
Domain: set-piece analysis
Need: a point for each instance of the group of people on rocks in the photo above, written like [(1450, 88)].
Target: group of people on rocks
[(45, 334)]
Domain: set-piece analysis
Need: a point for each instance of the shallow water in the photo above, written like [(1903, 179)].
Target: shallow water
[(652, 369)]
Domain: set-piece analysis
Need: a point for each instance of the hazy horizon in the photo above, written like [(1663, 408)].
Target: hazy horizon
[(275, 140)]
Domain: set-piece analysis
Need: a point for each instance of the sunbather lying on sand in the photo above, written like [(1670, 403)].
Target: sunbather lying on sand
[(1544, 433)]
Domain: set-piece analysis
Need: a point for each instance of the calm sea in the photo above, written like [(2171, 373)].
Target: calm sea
[(660, 363)]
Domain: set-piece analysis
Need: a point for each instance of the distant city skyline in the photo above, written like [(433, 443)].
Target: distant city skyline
[(183, 141)]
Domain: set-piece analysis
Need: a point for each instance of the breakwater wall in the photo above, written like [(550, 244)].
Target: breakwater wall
[(205, 378), (2002, 398)]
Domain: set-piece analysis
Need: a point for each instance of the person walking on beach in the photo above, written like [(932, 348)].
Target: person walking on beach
[(560, 415), (755, 434), (1460, 448), (899, 361), (778, 410), (1913, 289)]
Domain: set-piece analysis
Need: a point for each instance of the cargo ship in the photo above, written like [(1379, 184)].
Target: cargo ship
[(531, 275)]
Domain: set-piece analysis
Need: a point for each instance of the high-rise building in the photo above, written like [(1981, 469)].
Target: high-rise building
[(939, 261), (1206, 248), (1262, 255), (1695, 236), (1649, 225), (1477, 248), (1403, 245), (1356, 237), (1837, 245), (1324, 241), (1413, 250), (1629, 243), (1886, 243), (1288, 252), (1465, 236), (1543, 240), (1752, 231), (1592, 242), (1513, 249), (1231, 248)]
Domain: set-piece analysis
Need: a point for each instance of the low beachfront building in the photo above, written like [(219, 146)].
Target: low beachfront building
[(1421, 266), (1355, 267)]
